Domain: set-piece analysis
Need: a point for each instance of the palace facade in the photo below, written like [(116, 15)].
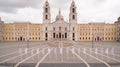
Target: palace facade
[(59, 29)]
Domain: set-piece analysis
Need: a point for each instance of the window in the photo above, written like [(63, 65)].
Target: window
[(46, 35), (46, 28), (15, 38), (33, 38), (46, 10), (59, 28), (106, 38), (12, 38), (73, 34), (30, 34), (80, 38), (73, 28), (111, 38), (65, 28), (83, 38), (73, 5), (73, 17), (53, 35), (80, 33), (73, 10), (65, 35), (30, 38), (46, 17), (53, 28), (59, 35), (89, 38), (103, 38)]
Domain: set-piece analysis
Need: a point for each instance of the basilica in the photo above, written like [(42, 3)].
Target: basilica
[(59, 29)]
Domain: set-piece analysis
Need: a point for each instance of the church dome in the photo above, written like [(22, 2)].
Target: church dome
[(59, 16)]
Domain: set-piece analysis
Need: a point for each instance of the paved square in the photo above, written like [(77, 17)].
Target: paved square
[(59, 53)]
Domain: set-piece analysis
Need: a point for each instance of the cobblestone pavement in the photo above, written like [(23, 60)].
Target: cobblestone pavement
[(59, 53)]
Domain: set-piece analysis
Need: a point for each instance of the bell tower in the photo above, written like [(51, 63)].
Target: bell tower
[(73, 13), (117, 23), (73, 21), (46, 12)]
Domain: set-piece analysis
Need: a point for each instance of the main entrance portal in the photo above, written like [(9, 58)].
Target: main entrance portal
[(59, 35)]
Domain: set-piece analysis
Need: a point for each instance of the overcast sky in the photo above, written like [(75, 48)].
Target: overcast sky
[(88, 10)]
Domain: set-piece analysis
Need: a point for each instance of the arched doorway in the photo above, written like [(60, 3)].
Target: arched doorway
[(21, 39), (65, 35), (60, 35), (53, 35), (97, 39)]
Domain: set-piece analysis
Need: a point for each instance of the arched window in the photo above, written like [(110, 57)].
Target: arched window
[(73, 34), (59, 35), (46, 28), (53, 28), (46, 17), (73, 10), (46, 35), (59, 28), (53, 35), (65, 28), (33, 38), (80, 38), (73, 17), (29, 38), (65, 35), (73, 29), (73, 5), (46, 10)]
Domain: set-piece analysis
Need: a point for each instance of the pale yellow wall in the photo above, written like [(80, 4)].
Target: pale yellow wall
[(8, 32), (110, 34), (32, 32), (94, 30), (83, 32), (35, 32)]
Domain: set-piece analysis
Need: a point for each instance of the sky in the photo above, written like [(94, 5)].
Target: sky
[(31, 10)]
